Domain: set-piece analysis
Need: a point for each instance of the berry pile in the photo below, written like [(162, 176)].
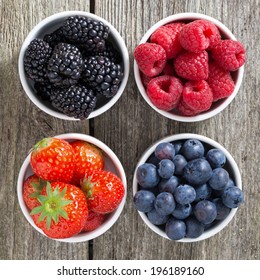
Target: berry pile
[(184, 188), (75, 66), (69, 191), (186, 67)]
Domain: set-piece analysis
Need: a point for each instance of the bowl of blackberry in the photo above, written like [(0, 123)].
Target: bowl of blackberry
[(187, 187), (189, 67), (74, 65)]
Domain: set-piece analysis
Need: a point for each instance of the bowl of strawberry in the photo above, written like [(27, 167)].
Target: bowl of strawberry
[(189, 67), (71, 187), (74, 65), (187, 187)]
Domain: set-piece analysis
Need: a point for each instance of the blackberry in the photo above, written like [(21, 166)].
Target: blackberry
[(44, 90), (83, 30), (103, 75), (55, 37), (36, 58), (75, 101), (65, 65)]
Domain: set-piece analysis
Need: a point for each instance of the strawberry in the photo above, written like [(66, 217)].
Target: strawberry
[(104, 191), (32, 188), (52, 159), (63, 210), (94, 221), (88, 158)]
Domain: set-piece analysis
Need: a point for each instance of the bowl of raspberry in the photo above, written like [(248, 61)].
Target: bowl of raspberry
[(187, 187), (189, 67), (74, 65), (71, 187)]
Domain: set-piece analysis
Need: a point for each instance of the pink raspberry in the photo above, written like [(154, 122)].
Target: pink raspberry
[(151, 58), (185, 110), (145, 79), (220, 81), (229, 54), (192, 66), (165, 92), (199, 35), (197, 95), (167, 36)]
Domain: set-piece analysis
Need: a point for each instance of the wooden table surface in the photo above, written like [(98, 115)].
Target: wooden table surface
[(128, 128)]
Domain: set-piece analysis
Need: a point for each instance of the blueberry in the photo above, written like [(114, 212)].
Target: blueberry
[(205, 211), (144, 201), (230, 183), (222, 210), (216, 158), (164, 203), (175, 229), (169, 185), (166, 168), (177, 146), (147, 175), (219, 179), (179, 162), (203, 192), (156, 218), (194, 228), (153, 160), (232, 197), (184, 194), (197, 172), (164, 150), (192, 149), (181, 212)]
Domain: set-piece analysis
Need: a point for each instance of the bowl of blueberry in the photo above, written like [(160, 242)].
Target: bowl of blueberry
[(187, 187), (189, 66), (74, 65)]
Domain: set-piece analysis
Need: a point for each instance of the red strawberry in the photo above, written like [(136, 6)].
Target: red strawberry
[(165, 92), (192, 66), (88, 158), (94, 221), (63, 210), (32, 188), (52, 159), (104, 191), (151, 58)]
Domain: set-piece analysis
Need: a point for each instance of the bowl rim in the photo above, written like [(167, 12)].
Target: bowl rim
[(204, 115), (185, 136), (31, 36), (114, 216)]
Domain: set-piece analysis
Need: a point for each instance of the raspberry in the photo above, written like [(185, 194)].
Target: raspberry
[(185, 110), (151, 58), (192, 66), (197, 95), (167, 36), (220, 81), (199, 35), (229, 54), (165, 92)]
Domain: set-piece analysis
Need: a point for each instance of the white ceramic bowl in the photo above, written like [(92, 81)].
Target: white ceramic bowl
[(230, 165), (50, 24), (218, 106), (112, 163)]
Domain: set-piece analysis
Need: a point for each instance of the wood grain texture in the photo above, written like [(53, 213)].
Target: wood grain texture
[(131, 126), (22, 125)]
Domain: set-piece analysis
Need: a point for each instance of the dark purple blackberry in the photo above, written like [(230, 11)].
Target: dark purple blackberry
[(65, 65), (75, 101), (35, 60), (83, 30), (44, 90), (55, 37), (103, 75)]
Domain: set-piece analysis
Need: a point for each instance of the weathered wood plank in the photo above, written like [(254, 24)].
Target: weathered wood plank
[(131, 126), (22, 125)]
